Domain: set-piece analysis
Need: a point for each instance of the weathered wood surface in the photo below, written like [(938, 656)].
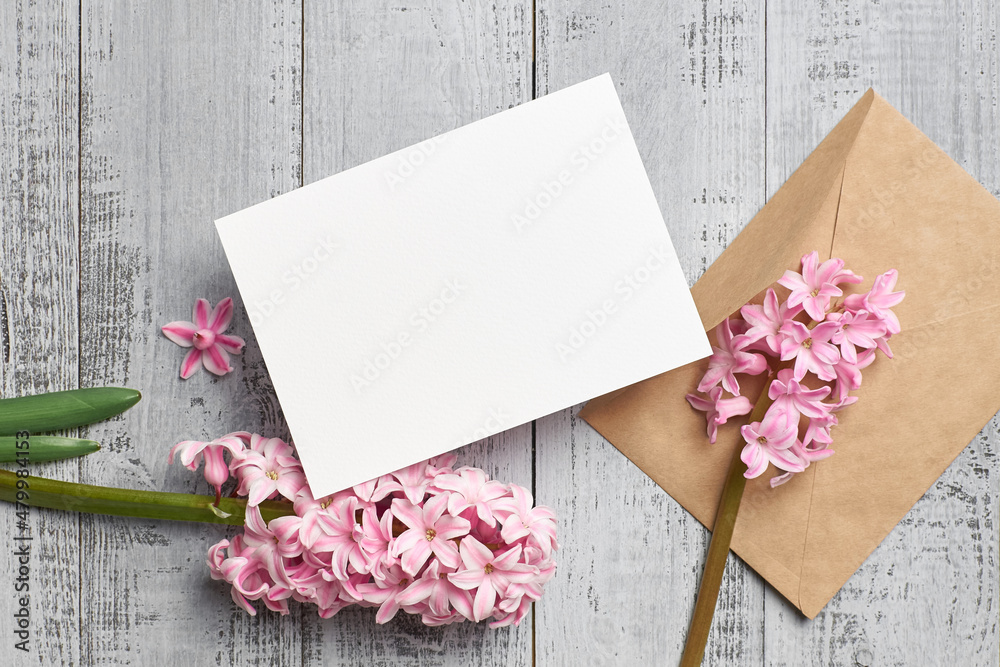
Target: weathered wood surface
[(39, 308), (126, 128)]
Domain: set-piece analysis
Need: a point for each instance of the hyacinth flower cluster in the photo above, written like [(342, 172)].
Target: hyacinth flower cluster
[(814, 344), (431, 539)]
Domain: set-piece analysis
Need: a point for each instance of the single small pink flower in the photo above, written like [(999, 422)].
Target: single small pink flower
[(192, 452), (341, 538), (855, 329), (412, 480), (210, 346), (438, 591), (816, 285), (386, 593), (489, 574), (718, 410), (471, 488), (818, 432), (766, 319), (244, 574), (728, 358), (848, 375), (795, 398), (879, 300), (430, 531), (267, 468), (770, 440), (521, 520), (811, 349), (376, 541)]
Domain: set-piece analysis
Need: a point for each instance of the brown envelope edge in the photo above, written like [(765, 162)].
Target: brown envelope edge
[(814, 192)]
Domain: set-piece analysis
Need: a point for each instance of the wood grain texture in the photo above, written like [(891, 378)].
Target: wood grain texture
[(380, 76), (39, 312), (929, 593), (190, 111), (126, 128), (690, 77)]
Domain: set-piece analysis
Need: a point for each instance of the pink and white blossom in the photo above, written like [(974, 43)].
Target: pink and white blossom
[(770, 441), (729, 358), (489, 574), (371, 546), (266, 469), (205, 335), (820, 363), (879, 300), (810, 348), (814, 288), (766, 321), (430, 530), (719, 410)]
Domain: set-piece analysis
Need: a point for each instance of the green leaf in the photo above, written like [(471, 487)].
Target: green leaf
[(42, 492), (41, 448), (61, 410)]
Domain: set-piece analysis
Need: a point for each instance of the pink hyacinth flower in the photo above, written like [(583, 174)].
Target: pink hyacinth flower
[(521, 520), (266, 469), (341, 538), (376, 540), (192, 452), (264, 545), (811, 349), (766, 319), (797, 399), (728, 358), (879, 299), (770, 440), (438, 591), (206, 336), (471, 488), (817, 285), (430, 531), (412, 480), (386, 594), (718, 410), (848, 375), (489, 574), (855, 329), (818, 431)]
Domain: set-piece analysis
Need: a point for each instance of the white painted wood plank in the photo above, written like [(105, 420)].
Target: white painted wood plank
[(690, 76), (929, 593), (38, 304), (191, 111), (380, 76)]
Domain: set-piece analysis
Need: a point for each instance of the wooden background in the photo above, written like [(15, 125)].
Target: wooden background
[(127, 127)]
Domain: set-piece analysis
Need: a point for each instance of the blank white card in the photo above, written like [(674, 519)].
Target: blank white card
[(462, 286)]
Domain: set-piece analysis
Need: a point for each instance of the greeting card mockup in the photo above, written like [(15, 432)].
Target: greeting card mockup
[(463, 286)]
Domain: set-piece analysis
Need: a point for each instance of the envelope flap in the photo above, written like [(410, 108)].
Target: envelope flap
[(788, 224)]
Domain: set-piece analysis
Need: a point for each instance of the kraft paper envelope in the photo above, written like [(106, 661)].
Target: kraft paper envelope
[(463, 286), (880, 195)]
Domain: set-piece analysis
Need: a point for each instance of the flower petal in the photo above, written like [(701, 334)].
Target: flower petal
[(486, 598), (180, 332), (191, 363), (233, 344), (216, 360), (201, 312), (221, 316)]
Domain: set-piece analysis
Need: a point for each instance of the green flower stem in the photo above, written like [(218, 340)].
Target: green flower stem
[(718, 548), (53, 494), (62, 410)]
